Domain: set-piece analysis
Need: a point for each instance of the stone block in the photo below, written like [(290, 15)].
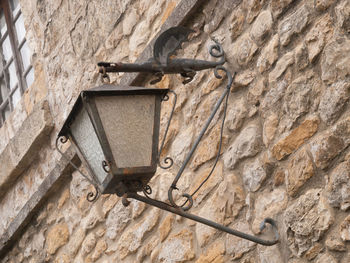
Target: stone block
[(306, 221), (325, 148), (214, 254), (318, 36), (269, 55), (165, 227), (247, 144), (261, 26), (344, 229), (236, 246), (296, 138), (293, 24), (57, 236), (334, 243), (25, 145), (242, 50), (333, 101), (342, 11), (335, 61), (300, 170), (338, 187), (281, 66), (178, 247), (278, 6), (132, 238)]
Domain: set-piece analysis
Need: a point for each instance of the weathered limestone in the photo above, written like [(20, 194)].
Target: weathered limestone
[(237, 247), (262, 26), (295, 139), (57, 236), (178, 247), (269, 54), (300, 170), (247, 144), (335, 64), (338, 188), (293, 24), (333, 101), (306, 220), (20, 151)]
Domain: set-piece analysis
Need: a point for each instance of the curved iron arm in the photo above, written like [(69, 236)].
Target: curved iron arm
[(199, 138), (179, 211)]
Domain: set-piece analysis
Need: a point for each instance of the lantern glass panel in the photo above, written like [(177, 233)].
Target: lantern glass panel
[(128, 124), (88, 143)]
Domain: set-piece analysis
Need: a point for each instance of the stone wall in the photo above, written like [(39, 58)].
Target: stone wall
[(285, 151)]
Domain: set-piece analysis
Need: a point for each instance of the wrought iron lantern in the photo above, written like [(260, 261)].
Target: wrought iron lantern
[(115, 130)]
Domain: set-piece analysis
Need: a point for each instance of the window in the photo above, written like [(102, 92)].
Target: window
[(16, 72)]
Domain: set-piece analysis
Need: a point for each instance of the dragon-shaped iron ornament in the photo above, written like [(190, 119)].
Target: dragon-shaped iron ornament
[(162, 63)]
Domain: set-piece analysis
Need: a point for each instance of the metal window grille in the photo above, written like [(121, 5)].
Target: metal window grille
[(16, 71)]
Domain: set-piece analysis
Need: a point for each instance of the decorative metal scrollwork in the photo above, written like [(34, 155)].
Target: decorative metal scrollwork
[(168, 161), (91, 196)]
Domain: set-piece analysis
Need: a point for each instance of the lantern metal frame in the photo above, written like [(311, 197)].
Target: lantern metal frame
[(139, 183)]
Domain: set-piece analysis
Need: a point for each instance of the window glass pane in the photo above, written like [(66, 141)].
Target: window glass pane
[(3, 26), (30, 77), (16, 97), (13, 75), (6, 49), (14, 6), (21, 32), (25, 53)]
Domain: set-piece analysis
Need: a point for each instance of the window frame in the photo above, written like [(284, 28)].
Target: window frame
[(21, 72)]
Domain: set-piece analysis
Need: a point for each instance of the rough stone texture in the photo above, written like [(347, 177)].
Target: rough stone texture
[(279, 6), (131, 239), (57, 236), (268, 55), (247, 144), (295, 139), (317, 37), (293, 24), (261, 26), (282, 64), (342, 12), (269, 254), (178, 247), (214, 254), (270, 128), (336, 60), (22, 149), (254, 175), (326, 258), (344, 229), (165, 227), (306, 220), (237, 247), (117, 220), (324, 148), (333, 101), (338, 188), (243, 50), (236, 115), (270, 204), (300, 170), (335, 244)]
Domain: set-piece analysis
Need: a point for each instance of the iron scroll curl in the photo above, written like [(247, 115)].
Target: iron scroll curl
[(92, 195)]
